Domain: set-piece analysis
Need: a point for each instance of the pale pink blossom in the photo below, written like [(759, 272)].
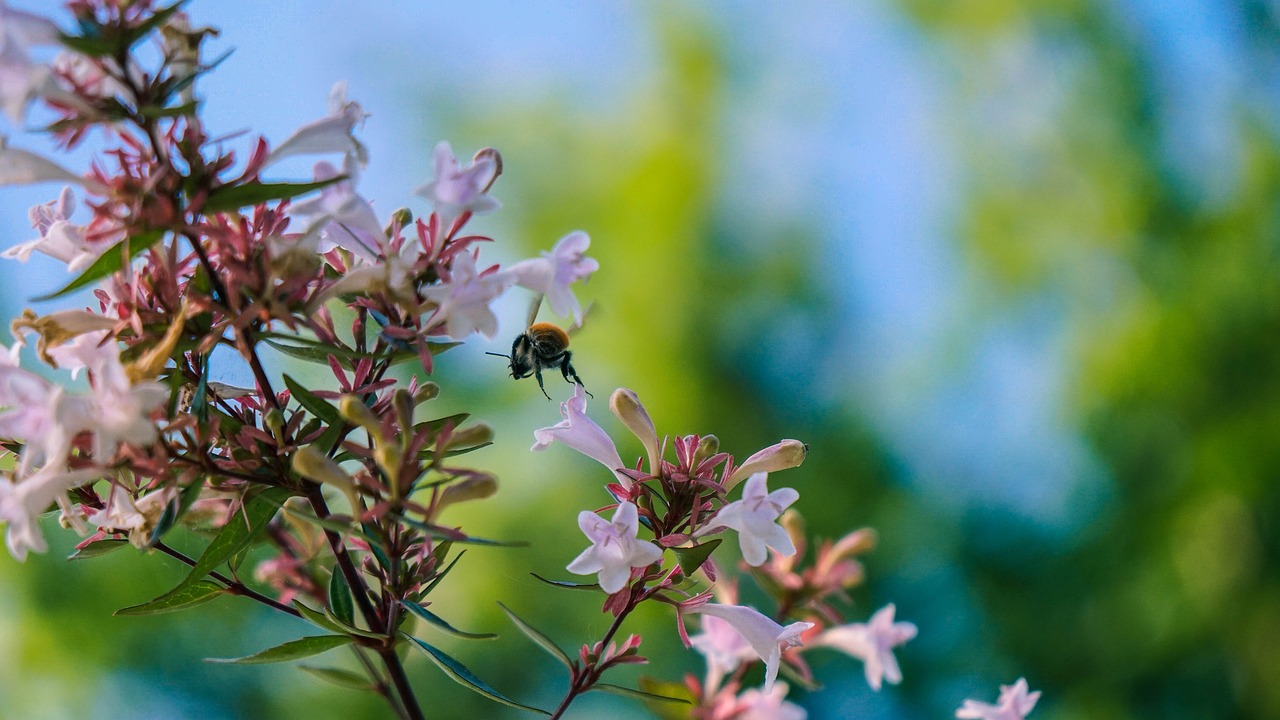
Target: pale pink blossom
[(22, 503), (463, 300), (59, 237), (873, 643), (772, 705), (339, 217), (20, 78), (755, 518), (1015, 703), (456, 189), (766, 637), (615, 549), (37, 413), (21, 167), (582, 434), (555, 271), (723, 647), (332, 133), (139, 518), (779, 456)]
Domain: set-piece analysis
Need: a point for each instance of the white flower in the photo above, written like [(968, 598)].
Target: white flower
[(582, 434), (873, 643), (615, 549), (1014, 704), (21, 504), (554, 272), (21, 79), (723, 647), (20, 167), (755, 518), (138, 518), (340, 217), (456, 190), (766, 637), (59, 238), (756, 705), (330, 134), (463, 301), (39, 414)]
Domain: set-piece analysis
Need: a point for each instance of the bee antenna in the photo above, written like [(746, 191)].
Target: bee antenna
[(498, 355)]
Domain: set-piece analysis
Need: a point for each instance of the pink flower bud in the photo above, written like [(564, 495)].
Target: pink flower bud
[(626, 405), (781, 456)]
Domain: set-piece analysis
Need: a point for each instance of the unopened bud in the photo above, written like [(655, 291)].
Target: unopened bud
[(274, 422), (426, 391), (708, 445), (780, 456), (471, 436), (404, 405), (399, 219), (473, 488), (626, 405), (354, 411), (314, 465)]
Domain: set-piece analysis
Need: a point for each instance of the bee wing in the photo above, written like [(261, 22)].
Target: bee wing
[(534, 305), (573, 329)]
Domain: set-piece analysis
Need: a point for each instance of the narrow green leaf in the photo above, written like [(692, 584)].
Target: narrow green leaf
[(340, 601), (440, 622), (461, 675), (637, 694), (97, 549), (177, 599), (234, 197), (166, 521), (538, 637), (436, 580), (154, 111), (663, 709), (567, 584), (87, 46), (313, 403), (691, 558), (330, 623), (239, 531), (292, 650), (111, 261), (157, 19), (341, 678)]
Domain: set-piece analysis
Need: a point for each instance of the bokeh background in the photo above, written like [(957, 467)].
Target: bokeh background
[(1009, 267)]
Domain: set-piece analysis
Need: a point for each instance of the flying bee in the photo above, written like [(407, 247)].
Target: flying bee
[(541, 345)]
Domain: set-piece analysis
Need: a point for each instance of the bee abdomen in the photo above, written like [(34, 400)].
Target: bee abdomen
[(549, 337)]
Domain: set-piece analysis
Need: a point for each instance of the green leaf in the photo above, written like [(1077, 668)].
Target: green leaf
[(440, 622), (664, 708), (535, 635), (341, 678), (461, 675), (331, 623), (436, 580), (179, 598), (637, 694), (239, 531), (183, 110), (166, 521), (319, 352), (340, 601), (234, 197), (111, 261), (157, 19), (567, 584), (292, 650), (691, 558), (87, 46), (97, 549), (312, 402)]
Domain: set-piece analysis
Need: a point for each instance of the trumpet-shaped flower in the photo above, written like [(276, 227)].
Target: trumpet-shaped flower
[(463, 302), (23, 502), (39, 414), (456, 189), (330, 134), (555, 271), (766, 637), (723, 647), (615, 549), (582, 434), (59, 237), (755, 518), (139, 519), (20, 78), (1014, 704), (339, 216), (757, 705), (873, 643)]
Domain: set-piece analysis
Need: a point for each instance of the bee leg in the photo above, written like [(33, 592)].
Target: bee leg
[(571, 375), (537, 372)]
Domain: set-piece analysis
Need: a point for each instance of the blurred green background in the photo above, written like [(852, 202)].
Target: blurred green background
[(1009, 267)]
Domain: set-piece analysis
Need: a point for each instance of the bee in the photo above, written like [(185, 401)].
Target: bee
[(541, 345)]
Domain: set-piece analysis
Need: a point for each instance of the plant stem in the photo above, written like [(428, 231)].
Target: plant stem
[(236, 587), (590, 675)]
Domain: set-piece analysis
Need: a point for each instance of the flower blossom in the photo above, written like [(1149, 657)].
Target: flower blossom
[(22, 167), (615, 549), (555, 271), (59, 238), (21, 503), (757, 705), (457, 190), (38, 413), (21, 79), (1014, 704), (330, 134), (340, 217), (138, 518), (873, 643), (723, 647), (755, 518), (766, 637), (463, 301), (582, 434)]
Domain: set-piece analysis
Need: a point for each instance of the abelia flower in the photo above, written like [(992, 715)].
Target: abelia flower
[(766, 637), (59, 237), (615, 549), (555, 271), (339, 217), (582, 434), (20, 78), (779, 456), (38, 413), (22, 503), (723, 647), (1015, 703), (138, 518), (625, 404), (457, 190), (873, 643), (21, 167), (755, 518), (332, 133), (463, 301), (759, 705)]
